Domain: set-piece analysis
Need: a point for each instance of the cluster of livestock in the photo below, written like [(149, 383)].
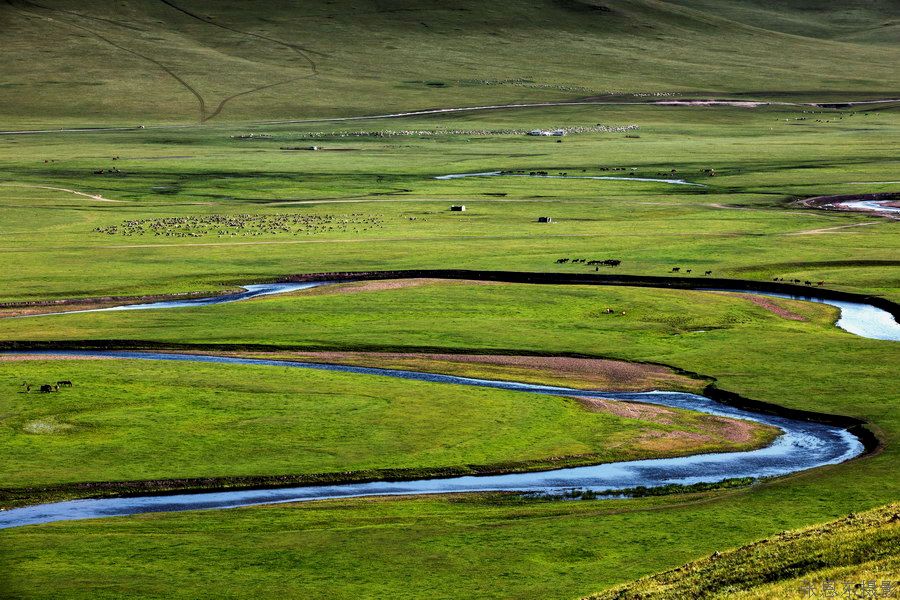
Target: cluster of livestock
[(111, 171), (834, 117), (807, 282), (609, 262), (598, 128), (563, 87), (46, 388), (688, 271), (527, 83), (710, 172), (245, 225), (652, 94)]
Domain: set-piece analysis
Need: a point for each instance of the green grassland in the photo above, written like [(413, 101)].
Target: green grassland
[(486, 546), (479, 546), (854, 557), (473, 546), (368, 200), (191, 60), (739, 226), (127, 421)]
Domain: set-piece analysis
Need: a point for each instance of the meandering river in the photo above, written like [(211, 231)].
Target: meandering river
[(858, 318), (802, 444)]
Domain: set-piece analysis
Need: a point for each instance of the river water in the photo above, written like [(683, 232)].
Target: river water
[(872, 205), (598, 177), (249, 291), (802, 445)]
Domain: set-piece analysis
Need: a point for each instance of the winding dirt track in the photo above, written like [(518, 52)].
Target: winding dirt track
[(831, 229), (96, 197), (433, 111), (299, 50), (205, 113)]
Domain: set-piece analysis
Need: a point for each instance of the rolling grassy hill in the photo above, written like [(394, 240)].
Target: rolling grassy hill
[(92, 62), (853, 557)]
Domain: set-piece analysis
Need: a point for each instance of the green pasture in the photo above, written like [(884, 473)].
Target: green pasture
[(90, 62), (480, 546), (138, 420), (472, 546), (740, 225), (854, 557), (368, 199)]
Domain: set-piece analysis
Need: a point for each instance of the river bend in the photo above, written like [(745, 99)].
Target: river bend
[(802, 444)]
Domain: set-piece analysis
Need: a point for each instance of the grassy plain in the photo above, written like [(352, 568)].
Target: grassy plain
[(481, 545), (738, 226), (852, 557), (177, 63), (190, 60), (473, 546), (476, 547), (137, 420)]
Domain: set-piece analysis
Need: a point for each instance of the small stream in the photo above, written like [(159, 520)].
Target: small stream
[(864, 320), (872, 206), (248, 291), (597, 177)]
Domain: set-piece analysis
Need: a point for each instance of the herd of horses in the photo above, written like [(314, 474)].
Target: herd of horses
[(807, 282), (613, 262), (678, 270), (609, 262), (46, 388)]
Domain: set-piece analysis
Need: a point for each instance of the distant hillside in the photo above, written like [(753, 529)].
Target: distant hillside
[(859, 550), (92, 61)]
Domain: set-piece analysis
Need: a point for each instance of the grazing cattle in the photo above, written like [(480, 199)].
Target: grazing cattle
[(820, 283), (675, 269), (64, 383), (708, 273), (689, 271), (46, 388), (807, 283), (612, 262)]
